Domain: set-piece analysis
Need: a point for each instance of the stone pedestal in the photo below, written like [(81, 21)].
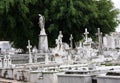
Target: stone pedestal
[(43, 77), (43, 43)]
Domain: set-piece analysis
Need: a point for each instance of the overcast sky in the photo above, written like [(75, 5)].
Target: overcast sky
[(117, 5)]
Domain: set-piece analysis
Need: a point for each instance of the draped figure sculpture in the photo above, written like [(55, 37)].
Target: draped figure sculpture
[(42, 24)]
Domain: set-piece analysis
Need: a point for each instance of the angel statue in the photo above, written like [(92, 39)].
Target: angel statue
[(41, 24)]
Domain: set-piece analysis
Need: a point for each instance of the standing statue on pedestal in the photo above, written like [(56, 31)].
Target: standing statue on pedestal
[(59, 40), (42, 24), (43, 41)]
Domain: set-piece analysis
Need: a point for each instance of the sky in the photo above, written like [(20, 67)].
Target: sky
[(117, 5)]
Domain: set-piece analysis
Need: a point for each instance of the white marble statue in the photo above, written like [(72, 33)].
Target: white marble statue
[(61, 51), (43, 41), (42, 24), (59, 40)]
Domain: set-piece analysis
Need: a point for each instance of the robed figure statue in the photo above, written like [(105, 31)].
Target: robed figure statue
[(41, 24)]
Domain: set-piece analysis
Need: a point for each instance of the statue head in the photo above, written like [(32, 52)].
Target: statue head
[(39, 15)]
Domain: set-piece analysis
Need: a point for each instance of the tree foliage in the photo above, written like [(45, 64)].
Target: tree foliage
[(19, 19), (15, 25), (73, 16)]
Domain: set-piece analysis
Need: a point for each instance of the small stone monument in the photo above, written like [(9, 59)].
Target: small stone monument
[(34, 51), (100, 41), (5, 61), (29, 48), (113, 42), (1, 64), (43, 41), (9, 61), (46, 58), (71, 41)]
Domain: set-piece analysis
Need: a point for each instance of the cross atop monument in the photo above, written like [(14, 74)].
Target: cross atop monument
[(99, 40), (71, 38), (29, 49), (29, 46), (99, 33), (86, 34)]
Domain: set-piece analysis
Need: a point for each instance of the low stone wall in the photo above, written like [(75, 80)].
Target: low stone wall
[(43, 77), (74, 79), (108, 79)]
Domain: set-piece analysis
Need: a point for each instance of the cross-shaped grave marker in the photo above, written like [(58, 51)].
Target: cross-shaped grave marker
[(99, 40), (29, 49), (86, 34)]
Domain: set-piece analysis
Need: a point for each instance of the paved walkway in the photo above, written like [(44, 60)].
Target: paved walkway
[(9, 81)]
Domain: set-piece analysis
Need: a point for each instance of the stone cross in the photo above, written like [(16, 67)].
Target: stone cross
[(100, 40), (29, 49), (99, 33), (86, 34), (71, 42)]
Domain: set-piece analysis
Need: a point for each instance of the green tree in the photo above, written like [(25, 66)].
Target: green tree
[(19, 19), (73, 16), (15, 25)]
